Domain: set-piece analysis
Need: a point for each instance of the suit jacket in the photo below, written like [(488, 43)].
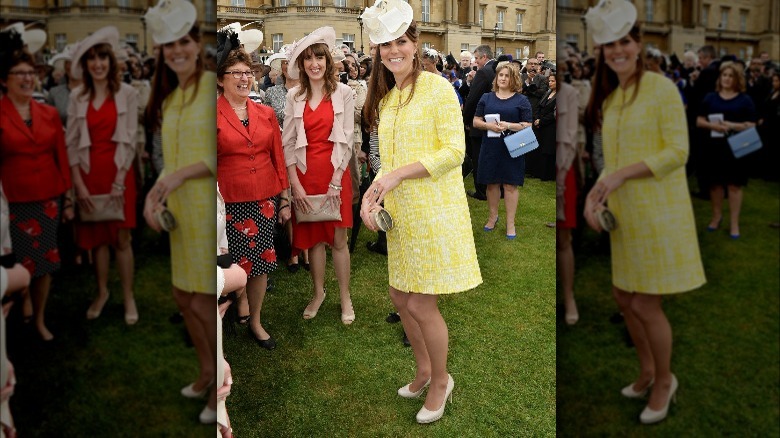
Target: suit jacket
[(481, 84), (77, 132), (535, 90), (250, 161), (33, 161), (294, 135)]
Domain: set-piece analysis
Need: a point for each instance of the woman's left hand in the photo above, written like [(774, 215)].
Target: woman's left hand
[(164, 187), (381, 187), (604, 187)]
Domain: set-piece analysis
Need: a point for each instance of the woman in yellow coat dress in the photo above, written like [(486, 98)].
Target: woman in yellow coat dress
[(431, 246), (183, 97), (655, 251)]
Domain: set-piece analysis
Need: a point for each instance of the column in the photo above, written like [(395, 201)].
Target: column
[(455, 14), (447, 10)]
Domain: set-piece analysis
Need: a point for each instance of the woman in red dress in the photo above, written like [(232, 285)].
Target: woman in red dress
[(34, 172), (102, 122), (317, 158)]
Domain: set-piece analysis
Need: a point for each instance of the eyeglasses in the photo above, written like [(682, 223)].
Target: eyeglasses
[(30, 73), (237, 74)]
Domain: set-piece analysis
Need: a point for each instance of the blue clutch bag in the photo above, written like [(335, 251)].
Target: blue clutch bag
[(745, 142), (521, 142)]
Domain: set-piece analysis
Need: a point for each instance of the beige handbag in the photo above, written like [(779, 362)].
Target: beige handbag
[(382, 219), (165, 218), (321, 211), (104, 210)]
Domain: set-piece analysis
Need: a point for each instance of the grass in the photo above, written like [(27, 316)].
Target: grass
[(726, 352), (101, 377), (328, 379)]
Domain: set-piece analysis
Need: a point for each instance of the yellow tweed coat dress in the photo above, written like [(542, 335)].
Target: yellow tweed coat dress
[(189, 136), (431, 247), (654, 249)]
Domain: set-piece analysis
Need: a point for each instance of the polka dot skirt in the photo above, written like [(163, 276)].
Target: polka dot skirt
[(250, 233), (33, 227)]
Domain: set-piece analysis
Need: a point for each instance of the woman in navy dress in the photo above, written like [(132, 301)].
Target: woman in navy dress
[(496, 167), (738, 113)]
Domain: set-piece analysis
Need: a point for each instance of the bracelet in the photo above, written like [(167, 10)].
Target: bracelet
[(118, 186), (334, 187), (284, 199), (284, 206)]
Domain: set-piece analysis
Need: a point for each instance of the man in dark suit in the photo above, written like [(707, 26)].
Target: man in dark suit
[(701, 82), (482, 83), (534, 84)]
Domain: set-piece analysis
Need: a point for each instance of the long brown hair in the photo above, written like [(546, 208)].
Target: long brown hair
[(102, 50), (605, 81), (382, 80), (319, 49), (165, 81)]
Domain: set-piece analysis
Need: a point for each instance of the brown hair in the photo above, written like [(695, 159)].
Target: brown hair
[(102, 50), (382, 80), (165, 81), (514, 77), (739, 76), (319, 49), (21, 56), (236, 56), (605, 81)]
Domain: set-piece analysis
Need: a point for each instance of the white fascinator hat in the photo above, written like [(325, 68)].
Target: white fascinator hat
[(387, 20), (610, 20)]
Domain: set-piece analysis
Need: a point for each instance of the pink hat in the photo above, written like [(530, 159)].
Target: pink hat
[(325, 35)]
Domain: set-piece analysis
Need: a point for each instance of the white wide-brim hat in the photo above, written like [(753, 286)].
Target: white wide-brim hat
[(107, 35), (275, 61), (325, 35), (610, 20), (387, 20), (170, 20), (65, 55), (34, 39), (251, 39)]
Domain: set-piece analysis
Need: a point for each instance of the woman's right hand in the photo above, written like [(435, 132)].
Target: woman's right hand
[(150, 205), (495, 126), (299, 198), (82, 197), (592, 207), (366, 214)]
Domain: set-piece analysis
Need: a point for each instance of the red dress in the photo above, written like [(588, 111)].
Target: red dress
[(101, 124), (319, 123)]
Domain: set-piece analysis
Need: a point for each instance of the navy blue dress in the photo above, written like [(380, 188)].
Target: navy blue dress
[(720, 166), (495, 164)]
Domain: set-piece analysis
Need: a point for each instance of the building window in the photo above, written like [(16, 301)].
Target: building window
[(724, 18), (741, 53), (312, 3), (705, 15), (649, 8), (240, 3), (573, 38), (499, 51), (518, 53), (519, 26), (426, 45), (278, 39), (132, 39), (426, 11), (482, 17), (210, 15), (688, 46), (340, 3), (500, 19), (464, 47), (743, 15), (94, 2), (22, 3), (60, 41), (66, 3), (123, 3), (348, 39), (283, 3)]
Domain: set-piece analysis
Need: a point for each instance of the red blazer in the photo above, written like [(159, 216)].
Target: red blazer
[(250, 161), (33, 161)]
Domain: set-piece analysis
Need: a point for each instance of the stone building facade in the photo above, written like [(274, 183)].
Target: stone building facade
[(740, 27), (449, 26)]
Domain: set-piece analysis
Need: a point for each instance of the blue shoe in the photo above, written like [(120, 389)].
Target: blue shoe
[(715, 228), (734, 236), (511, 236), (486, 228)]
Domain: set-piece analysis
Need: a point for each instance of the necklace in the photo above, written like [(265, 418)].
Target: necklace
[(239, 108)]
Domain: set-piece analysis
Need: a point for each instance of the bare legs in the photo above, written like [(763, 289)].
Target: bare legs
[(427, 332), (735, 206), (511, 195), (493, 194), (125, 266), (652, 336), (39, 291), (255, 292), (341, 264), (565, 258), (201, 322)]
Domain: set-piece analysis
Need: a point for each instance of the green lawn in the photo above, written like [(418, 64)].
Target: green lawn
[(726, 352), (325, 378)]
